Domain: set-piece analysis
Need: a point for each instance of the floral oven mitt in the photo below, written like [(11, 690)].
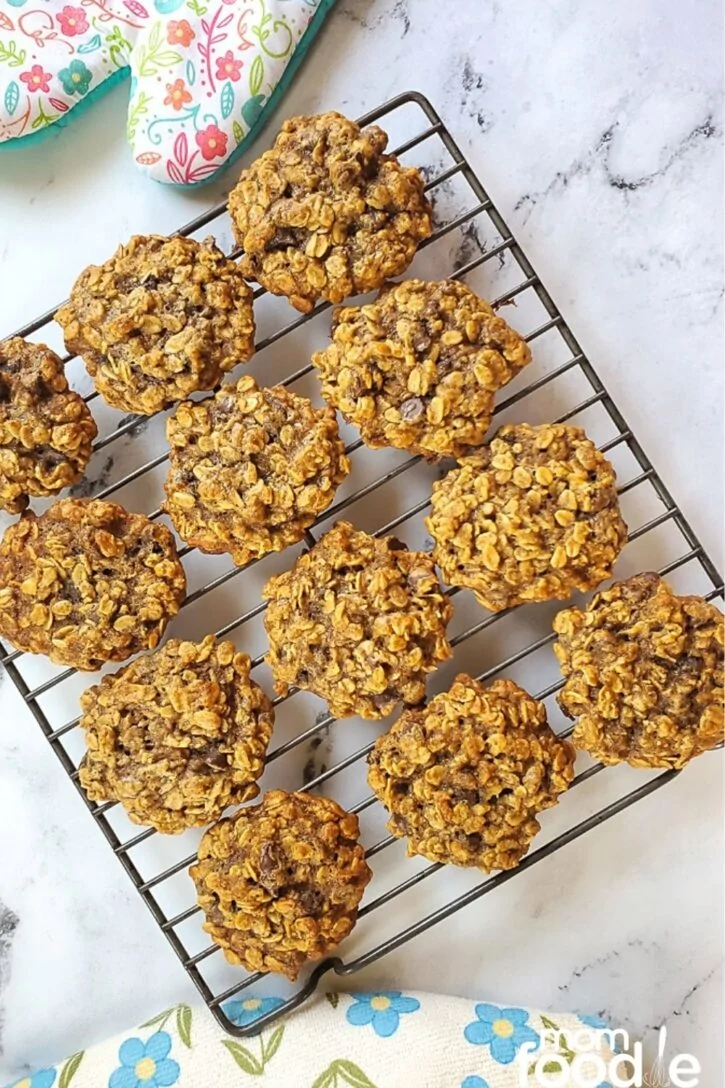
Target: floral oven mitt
[(204, 73)]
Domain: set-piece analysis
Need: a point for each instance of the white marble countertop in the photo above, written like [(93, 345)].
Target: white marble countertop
[(597, 129)]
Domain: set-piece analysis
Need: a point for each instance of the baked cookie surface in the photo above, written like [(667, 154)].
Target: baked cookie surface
[(161, 319), (465, 776), (644, 674), (251, 468), (88, 582), (46, 430), (418, 368), (531, 516), (280, 882), (358, 621), (177, 735), (324, 214)]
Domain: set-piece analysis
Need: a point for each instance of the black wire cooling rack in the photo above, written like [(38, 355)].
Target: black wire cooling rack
[(471, 240)]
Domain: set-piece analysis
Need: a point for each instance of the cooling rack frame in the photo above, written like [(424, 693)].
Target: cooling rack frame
[(434, 128)]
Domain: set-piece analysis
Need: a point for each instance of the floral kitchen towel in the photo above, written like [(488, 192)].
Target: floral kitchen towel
[(205, 74), (365, 1040)]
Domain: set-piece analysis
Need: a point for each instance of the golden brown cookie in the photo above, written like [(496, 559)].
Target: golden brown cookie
[(177, 736), (417, 368), (163, 318), (251, 469), (88, 582), (359, 621), (644, 674), (324, 214), (465, 777), (280, 882), (46, 430), (531, 516)]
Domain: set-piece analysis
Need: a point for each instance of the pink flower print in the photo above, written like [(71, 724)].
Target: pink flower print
[(36, 79), (227, 67), (72, 21), (212, 142)]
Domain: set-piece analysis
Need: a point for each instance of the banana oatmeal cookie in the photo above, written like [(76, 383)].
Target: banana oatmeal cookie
[(251, 468), (177, 735), (417, 368), (359, 621), (465, 777), (88, 582), (163, 318), (280, 882), (46, 430), (531, 516), (644, 674), (325, 214)]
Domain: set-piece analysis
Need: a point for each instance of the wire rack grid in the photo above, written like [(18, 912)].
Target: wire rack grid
[(469, 239)]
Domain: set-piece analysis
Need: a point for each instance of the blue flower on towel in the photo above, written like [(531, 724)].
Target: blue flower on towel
[(249, 1009), (594, 1022), (382, 1010), (597, 1024), (474, 1082), (145, 1065), (43, 1078), (502, 1030)]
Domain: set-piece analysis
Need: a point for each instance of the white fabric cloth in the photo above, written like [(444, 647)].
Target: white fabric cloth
[(371, 1040)]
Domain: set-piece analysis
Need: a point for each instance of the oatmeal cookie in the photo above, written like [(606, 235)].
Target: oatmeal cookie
[(418, 368), (163, 318), (87, 582), (46, 430), (531, 516), (325, 214), (251, 468), (644, 674), (177, 735), (280, 882), (359, 621), (465, 777)]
